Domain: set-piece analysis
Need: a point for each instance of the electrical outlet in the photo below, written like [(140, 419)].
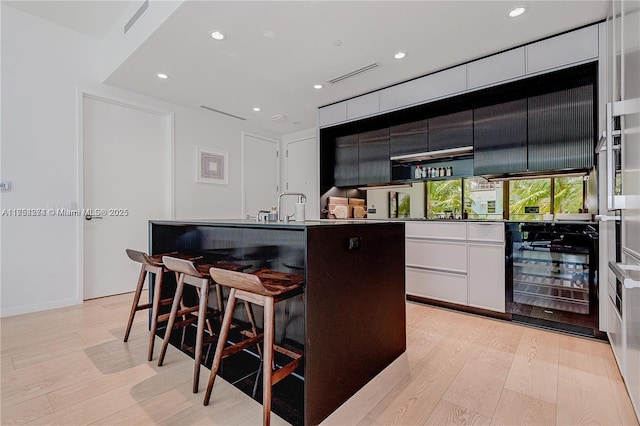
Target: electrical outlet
[(5, 186)]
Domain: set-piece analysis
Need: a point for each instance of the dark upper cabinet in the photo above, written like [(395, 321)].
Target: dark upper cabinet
[(373, 157), (408, 138), (451, 130), (500, 138), (345, 170), (561, 129)]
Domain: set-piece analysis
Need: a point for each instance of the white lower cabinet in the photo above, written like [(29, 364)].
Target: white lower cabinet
[(457, 262), (437, 285), (486, 276)]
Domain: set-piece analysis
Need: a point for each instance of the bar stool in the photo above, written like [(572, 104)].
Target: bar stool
[(196, 275), (154, 265), (265, 288)]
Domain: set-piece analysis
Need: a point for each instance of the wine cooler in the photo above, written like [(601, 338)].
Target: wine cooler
[(552, 275)]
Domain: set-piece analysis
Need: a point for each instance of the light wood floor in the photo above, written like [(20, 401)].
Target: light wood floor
[(69, 366)]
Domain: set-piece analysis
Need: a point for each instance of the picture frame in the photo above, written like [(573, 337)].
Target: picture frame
[(212, 166)]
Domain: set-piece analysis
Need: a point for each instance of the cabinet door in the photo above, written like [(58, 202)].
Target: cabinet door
[(569, 48), (363, 105), (487, 276), (345, 172), (441, 84), (496, 68), (408, 138), (451, 131), (500, 138), (561, 130), (437, 285), (373, 157), (332, 114)]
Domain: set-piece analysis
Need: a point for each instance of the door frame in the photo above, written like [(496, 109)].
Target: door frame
[(242, 166), (285, 186), (169, 116)]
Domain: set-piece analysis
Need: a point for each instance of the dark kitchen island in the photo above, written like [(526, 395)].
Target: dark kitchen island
[(351, 323)]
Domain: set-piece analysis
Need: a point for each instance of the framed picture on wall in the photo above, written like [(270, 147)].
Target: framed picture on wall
[(212, 166)]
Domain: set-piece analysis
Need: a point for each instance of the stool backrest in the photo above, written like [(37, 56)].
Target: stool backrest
[(140, 257), (180, 265), (238, 280)]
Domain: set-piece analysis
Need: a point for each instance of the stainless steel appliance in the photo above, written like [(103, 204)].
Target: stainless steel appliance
[(552, 275), (619, 200)]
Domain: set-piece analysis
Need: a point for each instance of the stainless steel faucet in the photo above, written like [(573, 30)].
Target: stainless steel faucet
[(299, 194)]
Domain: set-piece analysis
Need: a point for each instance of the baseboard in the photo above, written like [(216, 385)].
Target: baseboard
[(27, 309)]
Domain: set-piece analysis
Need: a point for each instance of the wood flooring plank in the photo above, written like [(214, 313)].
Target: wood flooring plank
[(415, 397), (447, 413), (517, 409), (534, 371), (585, 398), (355, 409), (583, 354), (478, 385), (24, 411)]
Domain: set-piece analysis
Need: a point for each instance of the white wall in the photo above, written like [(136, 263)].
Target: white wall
[(43, 65)]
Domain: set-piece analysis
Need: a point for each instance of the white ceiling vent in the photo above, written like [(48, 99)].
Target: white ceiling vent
[(221, 112), (136, 16), (278, 118), (354, 73)]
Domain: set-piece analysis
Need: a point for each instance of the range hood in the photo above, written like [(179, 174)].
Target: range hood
[(434, 155)]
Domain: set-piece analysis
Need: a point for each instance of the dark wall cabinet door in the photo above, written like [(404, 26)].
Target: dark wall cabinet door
[(500, 138), (561, 130), (408, 138), (451, 131), (345, 172), (373, 157)]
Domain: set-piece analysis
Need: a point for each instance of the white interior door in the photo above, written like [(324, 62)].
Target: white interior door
[(127, 175), (261, 174), (302, 166)]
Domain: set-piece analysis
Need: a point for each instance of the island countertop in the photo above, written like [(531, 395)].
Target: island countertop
[(351, 323)]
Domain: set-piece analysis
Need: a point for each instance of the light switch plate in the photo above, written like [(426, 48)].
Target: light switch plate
[(5, 186)]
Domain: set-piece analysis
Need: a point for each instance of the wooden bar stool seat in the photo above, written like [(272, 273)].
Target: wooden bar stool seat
[(196, 275), (150, 264), (263, 287)]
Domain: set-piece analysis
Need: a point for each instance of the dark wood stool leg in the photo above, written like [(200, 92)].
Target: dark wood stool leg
[(155, 312), (254, 329), (267, 360), (136, 301), (172, 318), (202, 317), (222, 339)]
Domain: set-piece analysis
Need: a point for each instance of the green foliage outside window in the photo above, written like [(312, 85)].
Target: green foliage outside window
[(567, 194), (483, 199), (529, 193), (444, 197)]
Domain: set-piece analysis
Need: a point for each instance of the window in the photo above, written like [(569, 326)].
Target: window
[(568, 195), (483, 199), (444, 198), (529, 199)]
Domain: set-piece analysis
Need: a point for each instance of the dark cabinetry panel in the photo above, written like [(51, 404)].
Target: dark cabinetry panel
[(373, 157), (451, 131), (500, 138), (345, 170), (561, 129), (408, 138)]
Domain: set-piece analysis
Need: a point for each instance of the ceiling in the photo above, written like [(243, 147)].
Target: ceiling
[(276, 51)]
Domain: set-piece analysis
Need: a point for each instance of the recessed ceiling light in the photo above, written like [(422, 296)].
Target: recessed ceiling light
[(217, 35), (256, 109), (517, 11), (163, 76), (317, 86), (399, 55)]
